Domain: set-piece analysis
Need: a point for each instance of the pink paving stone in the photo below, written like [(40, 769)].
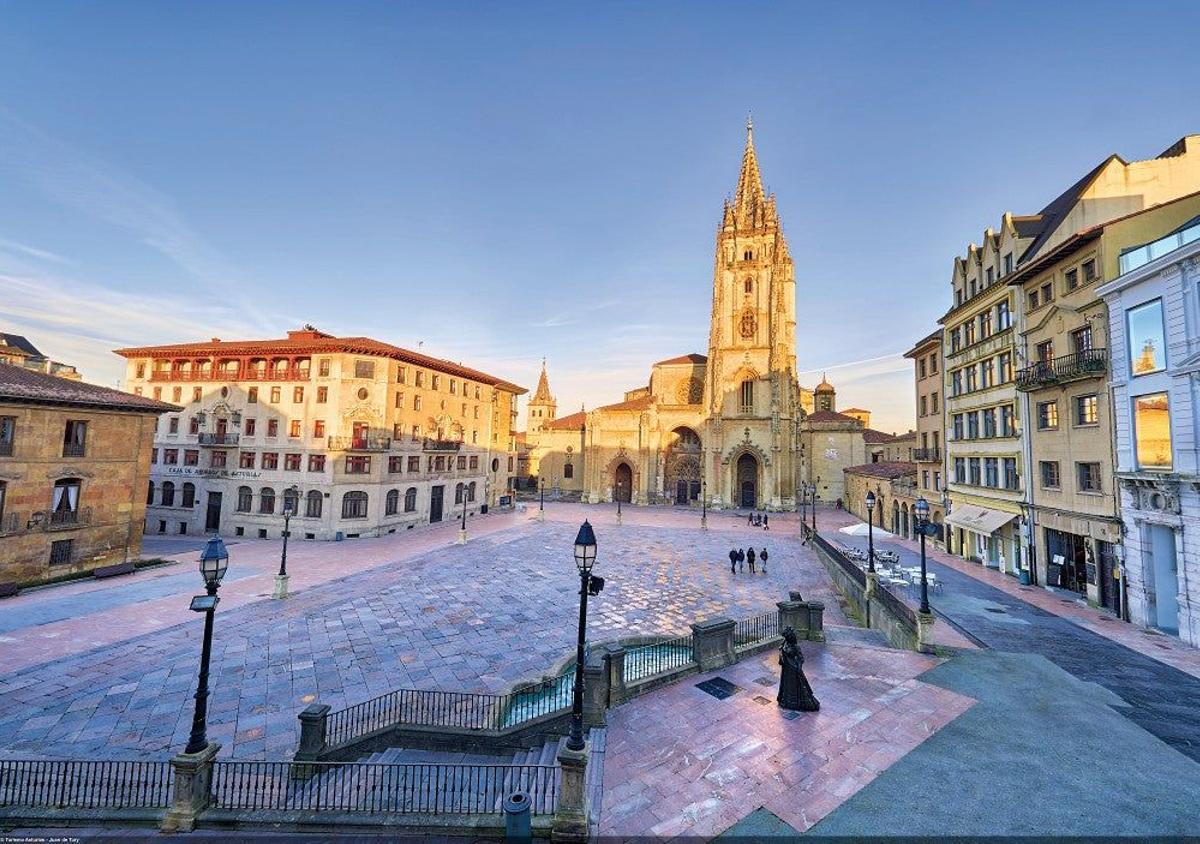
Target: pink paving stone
[(747, 755)]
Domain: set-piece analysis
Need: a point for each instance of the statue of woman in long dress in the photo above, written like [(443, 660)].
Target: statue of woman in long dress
[(794, 690)]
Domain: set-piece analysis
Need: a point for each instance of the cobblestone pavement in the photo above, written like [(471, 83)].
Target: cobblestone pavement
[(680, 762), (1160, 695), (477, 617)]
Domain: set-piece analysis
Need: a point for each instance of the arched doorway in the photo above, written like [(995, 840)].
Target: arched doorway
[(623, 483), (682, 478), (896, 517), (904, 522), (747, 480)]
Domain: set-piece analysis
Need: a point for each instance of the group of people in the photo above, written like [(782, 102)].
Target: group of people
[(758, 520), (739, 559)]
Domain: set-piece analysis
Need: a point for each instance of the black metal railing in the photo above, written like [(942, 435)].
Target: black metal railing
[(360, 443), (843, 562), (1090, 363), (927, 455), (897, 606), (758, 628), (74, 450), (381, 788), (112, 784), (430, 444), (669, 655), (219, 439), (59, 519)]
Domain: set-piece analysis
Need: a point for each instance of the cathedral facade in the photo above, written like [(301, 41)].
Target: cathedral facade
[(725, 426)]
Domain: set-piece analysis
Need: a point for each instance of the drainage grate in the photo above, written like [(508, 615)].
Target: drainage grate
[(761, 701), (718, 687), (791, 714), (765, 681), (996, 609)]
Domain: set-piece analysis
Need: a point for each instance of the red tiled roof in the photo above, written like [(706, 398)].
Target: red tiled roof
[(885, 469), (316, 342), (634, 404), (870, 435), (692, 358), (20, 385), (830, 416), (574, 420)]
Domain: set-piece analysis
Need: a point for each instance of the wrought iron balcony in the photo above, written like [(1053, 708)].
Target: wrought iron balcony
[(927, 455), (441, 445), (1092, 363), (64, 519), (74, 450), (360, 443), (219, 439)]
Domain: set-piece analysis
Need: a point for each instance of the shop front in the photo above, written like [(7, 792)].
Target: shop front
[(985, 535), (1079, 554)]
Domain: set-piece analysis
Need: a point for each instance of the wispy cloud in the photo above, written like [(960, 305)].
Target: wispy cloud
[(24, 251)]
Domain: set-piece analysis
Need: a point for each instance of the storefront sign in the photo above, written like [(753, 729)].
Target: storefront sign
[(197, 472)]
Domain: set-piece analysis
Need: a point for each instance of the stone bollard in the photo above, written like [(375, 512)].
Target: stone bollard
[(595, 693), (816, 621), (793, 614), (615, 656), (924, 632), (570, 812), (312, 732), (193, 788), (712, 643)]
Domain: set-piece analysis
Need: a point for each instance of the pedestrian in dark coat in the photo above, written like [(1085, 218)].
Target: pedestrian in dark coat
[(765, 518), (741, 560), (750, 558), (763, 558), (750, 519), (733, 555)]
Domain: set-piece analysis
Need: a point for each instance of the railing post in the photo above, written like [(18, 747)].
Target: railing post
[(617, 692), (595, 692), (793, 614), (570, 813), (314, 721), (193, 788), (816, 621), (712, 643)]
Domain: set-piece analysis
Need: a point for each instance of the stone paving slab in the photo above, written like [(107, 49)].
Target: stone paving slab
[(478, 617), (680, 762)]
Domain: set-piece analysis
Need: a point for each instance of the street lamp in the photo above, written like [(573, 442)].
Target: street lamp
[(871, 531), (585, 558), (703, 503), (542, 498), (814, 506), (214, 560), (462, 531), (620, 486), (922, 508)]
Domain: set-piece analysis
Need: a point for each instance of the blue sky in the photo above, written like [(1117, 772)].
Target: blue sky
[(503, 181)]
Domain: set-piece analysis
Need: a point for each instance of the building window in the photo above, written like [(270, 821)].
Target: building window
[(354, 505), (471, 491), (191, 457), (272, 427), (245, 499), (74, 438), (1147, 350), (1089, 270), (251, 424), (316, 462), (157, 393), (1086, 410), (969, 332), (358, 465), (955, 340), (246, 460), (1033, 300), (985, 324), (395, 464), (924, 408), (1089, 476), (462, 461), (291, 500), (933, 364), (196, 394), (972, 380), (933, 403), (416, 402), (149, 495), (61, 552), (925, 479), (323, 367), (956, 382), (1003, 316), (177, 395), (991, 472), (189, 496), (414, 464), (1081, 340), (937, 481), (276, 395), (1044, 352), (1006, 421), (420, 378), (217, 460), (1047, 415), (364, 369), (270, 460), (568, 470), (990, 276), (1008, 265), (1071, 279), (291, 462), (312, 504), (319, 428), (1050, 474), (974, 475), (958, 426), (1011, 479), (747, 404), (960, 470), (410, 499), (252, 395), (322, 395), (173, 425), (748, 286), (989, 422), (1047, 293), (266, 500), (987, 373), (1004, 371), (973, 425), (294, 429), (920, 367), (458, 493), (297, 395), (392, 503), (168, 494), (1152, 431), (170, 456)]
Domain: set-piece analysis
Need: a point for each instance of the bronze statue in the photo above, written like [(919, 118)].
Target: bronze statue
[(794, 690)]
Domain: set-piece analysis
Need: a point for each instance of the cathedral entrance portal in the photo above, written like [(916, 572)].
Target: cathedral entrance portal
[(683, 466), (623, 483), (747, 480)]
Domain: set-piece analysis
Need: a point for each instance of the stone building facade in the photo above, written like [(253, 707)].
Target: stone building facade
[(74, 465), (356, 436), (928, 452), (1154, 326)]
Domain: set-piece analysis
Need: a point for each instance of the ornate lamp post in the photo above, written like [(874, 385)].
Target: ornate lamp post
[(803, 506), (703, 504), (281, 579), (542, 498), (871, 531), (214, 560), (922, 508), (462, 531), (620, 487), (814, 506), (585, 558)]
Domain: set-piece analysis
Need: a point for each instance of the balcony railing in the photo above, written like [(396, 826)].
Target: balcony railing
[(360, 443), (927, 455), (63, 519), (290, 374), (1092, 363), (441, 445), (219, 439), (74, 450)]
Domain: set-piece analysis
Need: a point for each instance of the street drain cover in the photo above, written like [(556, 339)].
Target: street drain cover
[(765, 681), (718, 687), (995, 609), (761, 701), (791, 714)]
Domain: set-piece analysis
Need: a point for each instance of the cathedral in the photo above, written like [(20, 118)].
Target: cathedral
[(726, 426)]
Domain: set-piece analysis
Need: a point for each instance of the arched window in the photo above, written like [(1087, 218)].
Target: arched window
[(471, 491), (168, 494), (189, 495), (266, 500), (312, 504), (64, 507), (4, 489), (150, 494), (245, 499), (568, 471), (410, 499), (291, 500), (458, 494), (747, 396), (749, 285), (748, 255), (392, 503), (354, 505)]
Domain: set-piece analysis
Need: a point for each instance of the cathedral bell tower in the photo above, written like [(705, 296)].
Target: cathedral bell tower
[(750, 391), (542, 406)]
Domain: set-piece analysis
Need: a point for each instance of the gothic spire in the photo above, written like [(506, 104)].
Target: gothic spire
[(542, 394), (749, 197)]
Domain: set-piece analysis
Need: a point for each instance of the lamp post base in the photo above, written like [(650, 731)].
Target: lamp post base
[(462, 537), (704, 523), (541, 515), (618, 518), (281, 586)]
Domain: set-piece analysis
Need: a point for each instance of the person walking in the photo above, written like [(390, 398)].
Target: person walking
[(750, 558), (741, 559), (733, 555), (763, 559), (765, 519)]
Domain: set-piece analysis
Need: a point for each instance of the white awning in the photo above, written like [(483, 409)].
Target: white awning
[(978, 519)]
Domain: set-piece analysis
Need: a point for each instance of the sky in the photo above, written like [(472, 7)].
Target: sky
[(495, 183)]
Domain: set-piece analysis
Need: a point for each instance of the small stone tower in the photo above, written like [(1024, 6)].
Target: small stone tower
[(542, 406), (825, 397)]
